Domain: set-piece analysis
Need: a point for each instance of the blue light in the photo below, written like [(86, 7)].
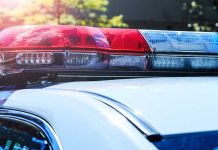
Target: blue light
[(168, 62), (204, 62), (178, 41), (185, 37), (184, 63), (156, 38)]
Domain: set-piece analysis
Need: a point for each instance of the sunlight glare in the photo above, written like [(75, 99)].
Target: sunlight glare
[(11, 3)]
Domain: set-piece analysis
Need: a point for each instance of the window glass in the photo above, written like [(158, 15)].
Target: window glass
[(17, 135), (192, 141)]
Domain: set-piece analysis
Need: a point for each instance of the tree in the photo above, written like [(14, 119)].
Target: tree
[(76, 12), (202, 15)]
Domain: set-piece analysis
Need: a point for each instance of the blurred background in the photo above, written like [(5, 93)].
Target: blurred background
[(197, 15)]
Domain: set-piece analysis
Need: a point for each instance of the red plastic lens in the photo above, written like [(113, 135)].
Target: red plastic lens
[(44, 37), (31, 37), (84, 38), (126, 41)]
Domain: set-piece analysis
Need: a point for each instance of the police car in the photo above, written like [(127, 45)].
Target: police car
[(144, 89)]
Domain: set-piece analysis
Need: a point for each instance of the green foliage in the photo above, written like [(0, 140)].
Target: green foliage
[(202, 15), (75, 12)]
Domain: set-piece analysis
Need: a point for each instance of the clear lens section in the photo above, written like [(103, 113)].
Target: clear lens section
[(181, 41), (1, 63), (35, 58), (69, 60), (127, 62), (184, 63), (168, 62), (1, 58), (82, 59)]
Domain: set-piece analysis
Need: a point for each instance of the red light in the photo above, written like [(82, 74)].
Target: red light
[(61, 37), (84, 38), (126, 41), (31, 37)]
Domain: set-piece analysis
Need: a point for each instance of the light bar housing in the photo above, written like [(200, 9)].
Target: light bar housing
[(114, 52)]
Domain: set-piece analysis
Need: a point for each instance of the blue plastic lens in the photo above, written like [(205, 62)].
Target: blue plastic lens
[(168, 62), (184, 63), (204, 62), (176, 41)]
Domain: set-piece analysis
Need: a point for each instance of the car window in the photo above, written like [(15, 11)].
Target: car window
[(19, 135)]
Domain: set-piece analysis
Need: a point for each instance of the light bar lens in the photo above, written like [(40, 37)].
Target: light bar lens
[(1, 58), (127, 62), (126, 40), (74, 60), (35, 58), (163, 62), (50, 36), (206, 62), (184, 63), (177, 41)]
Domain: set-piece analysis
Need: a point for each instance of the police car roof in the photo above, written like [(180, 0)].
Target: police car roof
[(172, 105), (78, 118)]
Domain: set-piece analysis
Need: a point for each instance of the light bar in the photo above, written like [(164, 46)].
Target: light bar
[(73, 49), (179, 41)]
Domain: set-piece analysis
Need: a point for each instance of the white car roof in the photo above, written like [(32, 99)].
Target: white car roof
[(172, 105), (80, 121)]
